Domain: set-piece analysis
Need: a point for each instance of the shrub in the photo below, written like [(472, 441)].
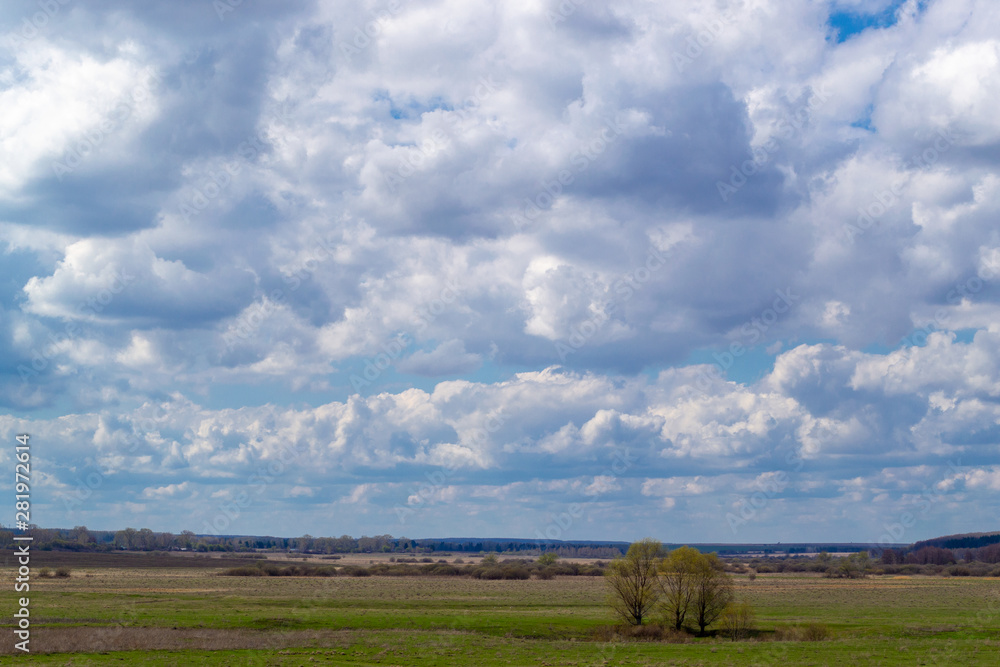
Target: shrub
[(548, 558), (813, 632), (244, 571), (646, 632), (739, 621), (62, 572), (515, 572)]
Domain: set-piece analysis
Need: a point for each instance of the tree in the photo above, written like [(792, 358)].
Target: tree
[(81, 535), (633, 582), (713, 591), (855, 566), (548, 558), (125, 539), (187, 539), (738, 620), (677, 583)]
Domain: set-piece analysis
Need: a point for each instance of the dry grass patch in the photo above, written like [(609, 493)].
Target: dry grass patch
[(82, 639)]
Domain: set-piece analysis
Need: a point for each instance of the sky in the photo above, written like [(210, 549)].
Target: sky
[(703, 271)]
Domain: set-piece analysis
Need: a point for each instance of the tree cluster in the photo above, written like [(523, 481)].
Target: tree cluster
[(682, 587)]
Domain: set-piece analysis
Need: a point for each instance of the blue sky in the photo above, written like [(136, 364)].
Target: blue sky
[(718, 273)]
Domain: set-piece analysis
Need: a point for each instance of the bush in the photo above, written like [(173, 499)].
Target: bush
[(62, 572), (505, 572), (646, 632), (45, 572), (739, 621), (354, 571), (244, 571), (548, 558), (545, 573), (813, 632)]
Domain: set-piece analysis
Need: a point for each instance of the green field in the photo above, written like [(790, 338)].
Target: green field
[(193, 616)]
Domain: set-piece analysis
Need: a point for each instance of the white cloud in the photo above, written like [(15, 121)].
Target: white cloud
[(290, 215)]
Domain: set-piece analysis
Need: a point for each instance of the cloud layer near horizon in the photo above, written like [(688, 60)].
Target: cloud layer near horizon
[(708, 273)]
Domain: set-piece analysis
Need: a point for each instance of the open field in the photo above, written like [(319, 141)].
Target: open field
[(192, 616)]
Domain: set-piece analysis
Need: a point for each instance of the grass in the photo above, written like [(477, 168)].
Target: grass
[(194, 616)]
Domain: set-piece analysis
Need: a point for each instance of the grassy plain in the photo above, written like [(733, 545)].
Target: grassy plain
[(192, 616)]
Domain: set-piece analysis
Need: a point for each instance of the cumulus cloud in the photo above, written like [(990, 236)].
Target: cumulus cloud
[(498, 242)]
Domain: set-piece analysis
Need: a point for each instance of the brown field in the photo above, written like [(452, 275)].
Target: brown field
[(189, 614)]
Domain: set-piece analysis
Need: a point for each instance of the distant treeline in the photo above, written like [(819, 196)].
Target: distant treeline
[(981, 547), (966, 541), (80, 538), (517, 568)]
